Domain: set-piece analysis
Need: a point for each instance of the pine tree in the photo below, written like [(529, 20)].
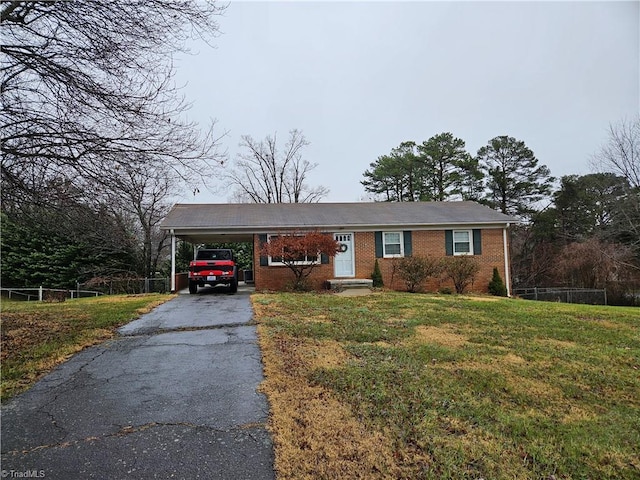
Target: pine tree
[(496, 285), (376, 276)]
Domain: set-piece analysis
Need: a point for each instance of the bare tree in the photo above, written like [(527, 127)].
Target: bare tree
[(621, 155), (263, 174), (141, 198), (86, 84)]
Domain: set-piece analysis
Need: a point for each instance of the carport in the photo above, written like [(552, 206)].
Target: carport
[(202, 236), (238, 222), (227, 223)]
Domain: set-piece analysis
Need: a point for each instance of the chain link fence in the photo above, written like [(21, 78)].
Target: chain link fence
[(114, 286), (565, 295)]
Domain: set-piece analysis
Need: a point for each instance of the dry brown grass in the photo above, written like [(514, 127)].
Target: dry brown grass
[(315, 435), (442, 335)]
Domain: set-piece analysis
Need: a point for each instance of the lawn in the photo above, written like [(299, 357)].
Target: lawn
[(38, 336), (397, 385)]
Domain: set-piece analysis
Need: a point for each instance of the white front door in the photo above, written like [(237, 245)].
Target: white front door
[(344, 260)]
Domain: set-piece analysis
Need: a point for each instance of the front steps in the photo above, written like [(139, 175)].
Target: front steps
[(349, 283)]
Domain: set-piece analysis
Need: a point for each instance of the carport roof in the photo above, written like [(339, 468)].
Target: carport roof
[(204, 220)]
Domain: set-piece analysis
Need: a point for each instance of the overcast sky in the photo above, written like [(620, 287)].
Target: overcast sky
[(359, 78)]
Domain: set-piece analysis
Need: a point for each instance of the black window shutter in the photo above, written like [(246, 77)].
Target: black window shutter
[(448, 242), (408, 247), (379, 253), (324, 258), (262, 239), (477, 241)]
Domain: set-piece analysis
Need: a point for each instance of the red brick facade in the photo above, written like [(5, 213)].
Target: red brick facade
[(424, 242)]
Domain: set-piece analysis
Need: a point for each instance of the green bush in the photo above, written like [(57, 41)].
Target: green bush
[(376, 276), (496, 285)]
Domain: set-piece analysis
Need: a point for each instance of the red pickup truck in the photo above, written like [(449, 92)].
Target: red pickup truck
[(213, 267)]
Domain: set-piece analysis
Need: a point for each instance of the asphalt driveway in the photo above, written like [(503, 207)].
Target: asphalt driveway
[(173, 397)]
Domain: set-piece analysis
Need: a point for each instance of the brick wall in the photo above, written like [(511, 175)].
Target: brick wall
[(424, 242), (281, 277)]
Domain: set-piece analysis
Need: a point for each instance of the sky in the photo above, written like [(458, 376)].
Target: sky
[(359, 78)]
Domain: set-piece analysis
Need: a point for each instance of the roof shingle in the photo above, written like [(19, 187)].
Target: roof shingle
[(276, 216)]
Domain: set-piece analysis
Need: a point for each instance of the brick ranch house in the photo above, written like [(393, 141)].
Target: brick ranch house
[(368, 231)]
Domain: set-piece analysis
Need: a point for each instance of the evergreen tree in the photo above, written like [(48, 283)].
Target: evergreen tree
[(496, 285), (376, 276), (515, 180)]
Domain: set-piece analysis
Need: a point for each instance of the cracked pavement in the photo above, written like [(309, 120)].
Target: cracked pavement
[(175, 396)]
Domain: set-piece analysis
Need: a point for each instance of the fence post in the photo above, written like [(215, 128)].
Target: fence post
[(40, 293), (605, 295), (535, 292)]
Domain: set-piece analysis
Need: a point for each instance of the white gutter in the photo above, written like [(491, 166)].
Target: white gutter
[(505, 247)]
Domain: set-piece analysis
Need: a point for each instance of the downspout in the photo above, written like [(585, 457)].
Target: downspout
[(507, 269), (173, 261)]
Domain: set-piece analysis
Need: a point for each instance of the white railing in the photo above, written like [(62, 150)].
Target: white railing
[(40, 293)]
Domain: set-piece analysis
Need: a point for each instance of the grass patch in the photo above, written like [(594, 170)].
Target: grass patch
[(38, 336), (399, 385)]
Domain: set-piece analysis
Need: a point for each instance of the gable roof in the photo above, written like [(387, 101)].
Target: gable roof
[(191, 220)]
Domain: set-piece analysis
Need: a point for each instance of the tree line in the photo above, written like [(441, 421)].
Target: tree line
[(95, 144), (578, 231), (504, 174)]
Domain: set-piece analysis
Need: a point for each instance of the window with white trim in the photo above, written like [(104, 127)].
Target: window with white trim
[(462, 242), (392, 244), (307, 259)]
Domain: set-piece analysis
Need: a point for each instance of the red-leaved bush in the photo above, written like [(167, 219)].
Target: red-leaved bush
[(301, 252)]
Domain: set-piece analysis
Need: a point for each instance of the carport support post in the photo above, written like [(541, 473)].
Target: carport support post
[(173, 262)]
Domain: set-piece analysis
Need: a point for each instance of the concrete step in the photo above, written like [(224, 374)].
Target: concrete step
[(336, 283)]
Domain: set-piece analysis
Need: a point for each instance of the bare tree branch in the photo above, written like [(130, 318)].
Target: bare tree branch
[(85, 85), (263, 175)]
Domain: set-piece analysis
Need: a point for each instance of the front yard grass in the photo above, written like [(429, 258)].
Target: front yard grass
[(397, 385), (38, 336)]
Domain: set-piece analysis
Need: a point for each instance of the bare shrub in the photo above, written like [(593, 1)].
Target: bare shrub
[(594, 263), (461, 270), (54, 296), (416, 269)]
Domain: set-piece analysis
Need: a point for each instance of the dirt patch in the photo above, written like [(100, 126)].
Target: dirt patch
[(561, 344), (443, 335), (513, 359)]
